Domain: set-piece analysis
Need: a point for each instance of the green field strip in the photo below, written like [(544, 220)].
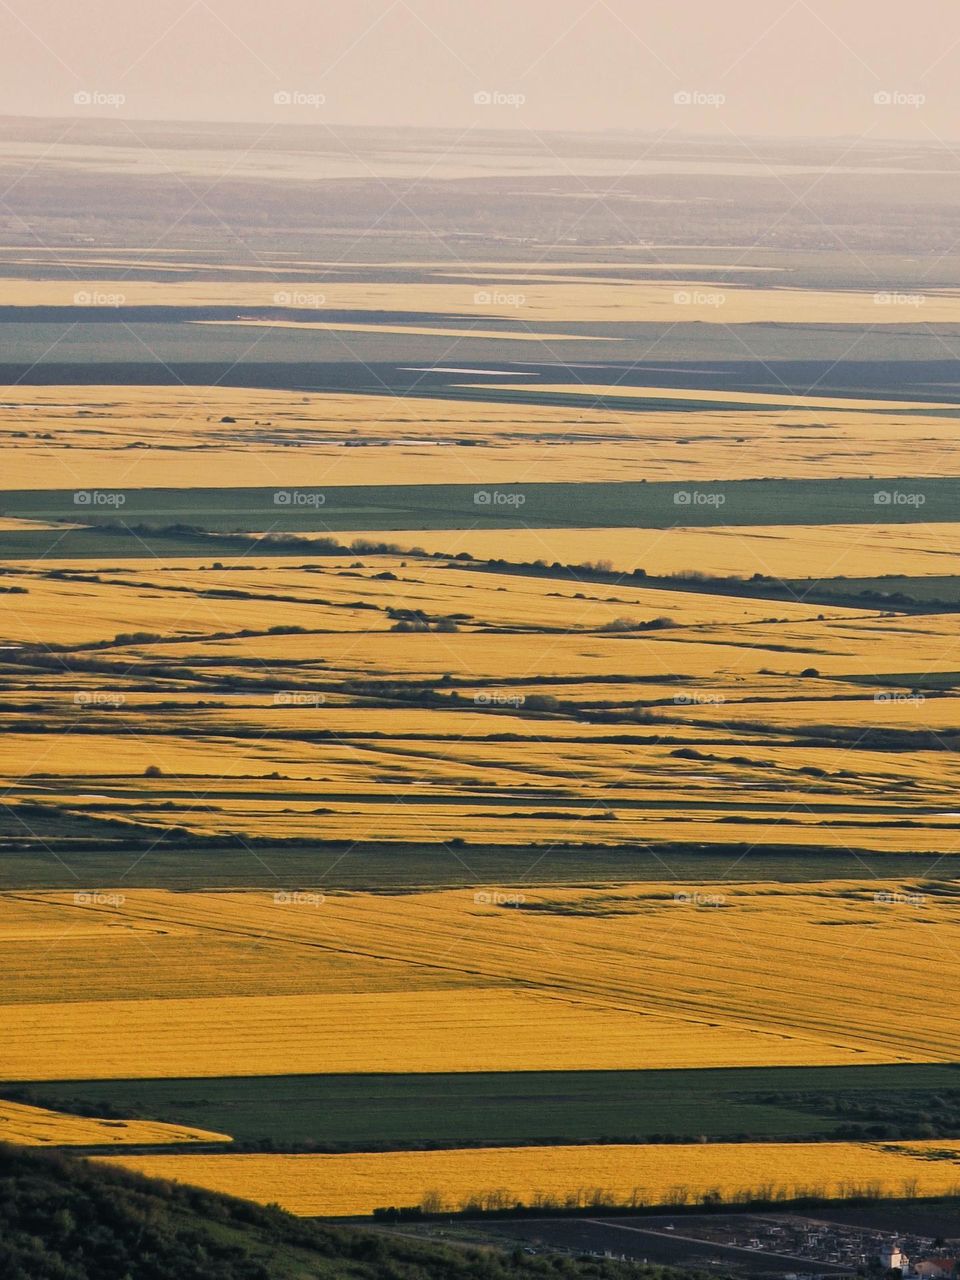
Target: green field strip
[(378, 1111)]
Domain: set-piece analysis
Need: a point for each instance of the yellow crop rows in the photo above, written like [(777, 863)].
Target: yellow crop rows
[(340, 1185), (507, 978), (801, 551), (37, 1127), (584, 302), (143, 436)]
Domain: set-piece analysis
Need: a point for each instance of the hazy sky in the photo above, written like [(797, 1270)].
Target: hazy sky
[(782, 67)]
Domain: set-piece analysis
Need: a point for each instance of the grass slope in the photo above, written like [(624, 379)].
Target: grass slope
[(63, 1219)]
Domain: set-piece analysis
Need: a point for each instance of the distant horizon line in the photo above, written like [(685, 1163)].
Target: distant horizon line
[(731, 140)]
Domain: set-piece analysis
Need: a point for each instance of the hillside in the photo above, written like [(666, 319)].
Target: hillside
[(65, 1219)]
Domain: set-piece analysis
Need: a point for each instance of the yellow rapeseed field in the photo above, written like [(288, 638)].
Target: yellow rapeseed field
[(159, 436), (285, 739), (510, 978), (799, 551), (778, 399), (340, 1185), (637, 301), (496, 335), (36, 1127), (482, 1030)]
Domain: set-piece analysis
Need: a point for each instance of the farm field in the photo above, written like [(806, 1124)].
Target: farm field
[(341, 595), (148, 860), (476, 729), (346, 724), (814, 551), (280, 1035), (383, 697), (154, 437), (370, 1111), (30, 1126), (584, 302), (717, 985), (343, 1185), (150, 521)]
